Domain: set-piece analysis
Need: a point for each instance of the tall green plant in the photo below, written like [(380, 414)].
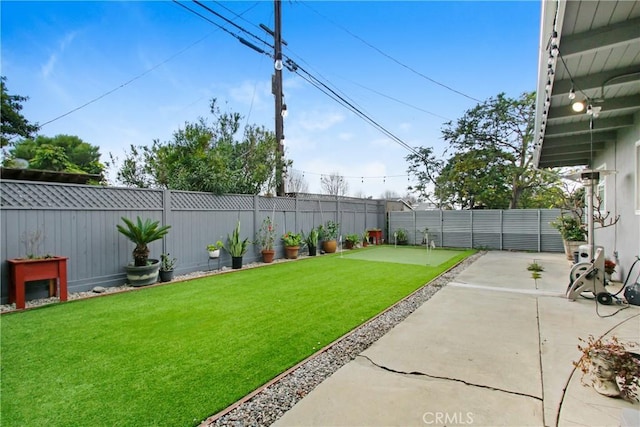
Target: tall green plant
[(570, 228), (142, 233), (235, 246)]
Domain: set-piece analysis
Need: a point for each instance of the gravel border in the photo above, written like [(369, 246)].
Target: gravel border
[(269, 403)]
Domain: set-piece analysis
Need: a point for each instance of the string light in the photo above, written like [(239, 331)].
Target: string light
[(572, 94)]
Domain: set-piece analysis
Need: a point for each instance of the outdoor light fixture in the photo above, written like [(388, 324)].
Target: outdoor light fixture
[(578, 106), (278, 64), (284, 111), (572, 94), (589, 109)]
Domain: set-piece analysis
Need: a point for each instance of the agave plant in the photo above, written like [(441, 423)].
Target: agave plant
[(142, 233)]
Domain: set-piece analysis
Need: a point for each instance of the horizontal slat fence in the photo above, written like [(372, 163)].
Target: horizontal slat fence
[(517, 229), (79, 222)]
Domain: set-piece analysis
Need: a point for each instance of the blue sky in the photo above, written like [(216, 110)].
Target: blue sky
[(64, 54)]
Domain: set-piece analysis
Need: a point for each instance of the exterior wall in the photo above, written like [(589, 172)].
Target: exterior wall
[(621, 195), (516, 229), (79, 222)]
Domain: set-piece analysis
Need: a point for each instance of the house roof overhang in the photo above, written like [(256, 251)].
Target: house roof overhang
[(598, 58)]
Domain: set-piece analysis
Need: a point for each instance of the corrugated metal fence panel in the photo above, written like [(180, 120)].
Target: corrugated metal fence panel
[(526, 229), (400, 220), (80, 222), (431, 221), (487, 229), (550, 239), (520, 229), (456, 229)]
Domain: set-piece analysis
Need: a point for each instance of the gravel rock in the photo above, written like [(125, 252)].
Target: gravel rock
[(99, 289), (273, 401)]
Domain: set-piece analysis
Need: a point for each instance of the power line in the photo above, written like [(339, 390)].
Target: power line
[(231, 22), (145, 72), (128, 81), (317, 83), (391, 57)]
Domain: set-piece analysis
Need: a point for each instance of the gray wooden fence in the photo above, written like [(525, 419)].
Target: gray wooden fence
[(79, 222), (519, 229)]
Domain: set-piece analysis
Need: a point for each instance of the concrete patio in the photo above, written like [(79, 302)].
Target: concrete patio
[(491, 348)]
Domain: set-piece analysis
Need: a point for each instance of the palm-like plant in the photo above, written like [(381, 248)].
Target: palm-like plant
[(142, 233)]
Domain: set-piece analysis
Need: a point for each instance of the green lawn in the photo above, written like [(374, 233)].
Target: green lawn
[(175, 354)]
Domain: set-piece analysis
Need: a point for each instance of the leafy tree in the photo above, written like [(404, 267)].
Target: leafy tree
[(425, 167), (14, 124), (59, 153), (334, 184), (503, 126), (477, 178), (207, 157)]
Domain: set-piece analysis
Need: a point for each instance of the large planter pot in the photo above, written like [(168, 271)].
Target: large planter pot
[(26, 270), (291, 252), (330, 246), (143, 275), (349, 244), (570, 247), (312, 250), (166, 275), (236, 262), (267, 256)]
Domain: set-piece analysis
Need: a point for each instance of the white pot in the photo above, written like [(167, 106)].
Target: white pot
[(214, 254)]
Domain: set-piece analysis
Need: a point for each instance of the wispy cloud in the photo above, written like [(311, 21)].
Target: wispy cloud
[(251, 93), (318, 120), (47, 68)]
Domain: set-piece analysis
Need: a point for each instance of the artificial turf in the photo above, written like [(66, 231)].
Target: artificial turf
[(174, 354)]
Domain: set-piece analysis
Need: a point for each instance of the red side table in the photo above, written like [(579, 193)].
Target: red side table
[(376, 236), (27, 270)]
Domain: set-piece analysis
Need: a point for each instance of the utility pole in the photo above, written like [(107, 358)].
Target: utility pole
[(277, 92)]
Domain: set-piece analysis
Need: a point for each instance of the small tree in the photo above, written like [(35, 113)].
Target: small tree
[(334, 184), (14, 124)]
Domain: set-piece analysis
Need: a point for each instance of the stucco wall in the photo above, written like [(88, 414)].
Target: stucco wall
[(621, 194)]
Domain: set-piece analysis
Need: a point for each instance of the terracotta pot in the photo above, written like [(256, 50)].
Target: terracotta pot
[(348, 244), (267, 256), (291, 252), (330, 246)]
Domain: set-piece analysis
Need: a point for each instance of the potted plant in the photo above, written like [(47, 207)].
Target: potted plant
[(214, 249), (36, 267), (351, 240), (292, 242), (266, 237), (365, 239), (166, 267), (614, 370), (143, 271), (401, 236), (572, 232), (311, 240), (236, 247), (329, 235)]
